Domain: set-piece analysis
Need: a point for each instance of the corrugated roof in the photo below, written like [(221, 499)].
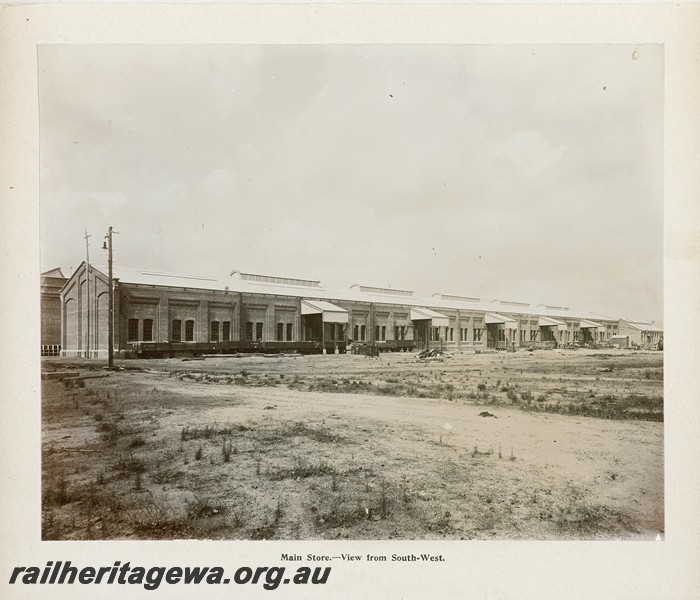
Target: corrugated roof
[(57, 273), (549, 322), (643, 326), (429, 314), (425, 314), (194, 281), (323, 306), (163, 278)]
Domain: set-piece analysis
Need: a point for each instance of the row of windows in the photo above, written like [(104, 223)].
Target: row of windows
[(218, 331), (132, 334), (285, 332), (464, 334), (177, 331), (360, 333), (281, 329), (225, 331)]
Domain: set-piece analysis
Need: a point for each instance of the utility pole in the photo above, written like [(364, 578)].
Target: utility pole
[(110, 324), (87, 277)]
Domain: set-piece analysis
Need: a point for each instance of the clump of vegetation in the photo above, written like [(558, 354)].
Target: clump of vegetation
[(55, 491), (202, 508), (303, 470), (128, 463)]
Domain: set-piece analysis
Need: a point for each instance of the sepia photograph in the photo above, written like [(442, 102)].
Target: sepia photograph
[(352, 292)]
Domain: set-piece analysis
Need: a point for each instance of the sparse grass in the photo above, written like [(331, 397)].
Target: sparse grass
[(331, 474), (304, 470)]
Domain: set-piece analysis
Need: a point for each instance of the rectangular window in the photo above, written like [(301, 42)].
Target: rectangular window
[(280, 332), (258, 331), (362, 333), (226, 337), (189, 330), (148, 330), (376, 333), (214, 333), (177, 331), (290, 332), (477, 334), (249, 331), (452, 334), (356, 333), (383, 333), (133, 332)]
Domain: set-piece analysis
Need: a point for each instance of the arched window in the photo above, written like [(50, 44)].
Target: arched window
[(148, 330), (133, 331), (177, 331)]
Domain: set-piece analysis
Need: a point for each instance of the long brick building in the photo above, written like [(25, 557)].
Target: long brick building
[(158, 311)]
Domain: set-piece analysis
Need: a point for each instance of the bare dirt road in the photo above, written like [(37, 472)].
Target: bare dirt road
[(542, 445)]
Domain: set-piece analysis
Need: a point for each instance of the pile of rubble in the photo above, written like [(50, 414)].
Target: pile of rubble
[(431, 355)]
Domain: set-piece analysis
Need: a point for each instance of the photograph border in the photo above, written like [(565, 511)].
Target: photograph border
[(471, 569)]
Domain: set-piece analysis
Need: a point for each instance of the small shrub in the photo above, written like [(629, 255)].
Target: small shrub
[(56, 491), (199, 453), (128, 463), (136, 442), (226, 451), (202, 508)]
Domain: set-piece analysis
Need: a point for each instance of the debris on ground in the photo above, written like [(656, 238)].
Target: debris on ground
[(431, 355), (486, 413)]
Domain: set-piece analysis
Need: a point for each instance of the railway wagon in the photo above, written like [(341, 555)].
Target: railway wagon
[(175, 349)]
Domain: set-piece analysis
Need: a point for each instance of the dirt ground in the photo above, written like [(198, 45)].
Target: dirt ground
[(527, 445)]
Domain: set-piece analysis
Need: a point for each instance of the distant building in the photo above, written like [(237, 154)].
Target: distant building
[(51, 283), (641, 333)]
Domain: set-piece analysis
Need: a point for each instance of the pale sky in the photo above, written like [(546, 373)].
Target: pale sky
[(524, 173)]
